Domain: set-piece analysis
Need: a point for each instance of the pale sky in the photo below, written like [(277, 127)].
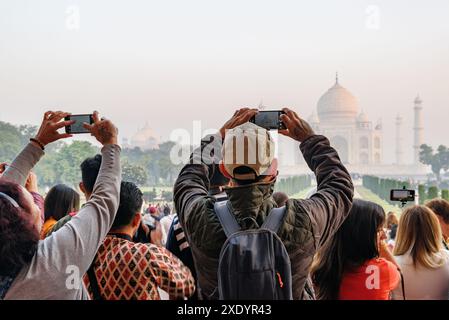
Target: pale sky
[(172, 62)]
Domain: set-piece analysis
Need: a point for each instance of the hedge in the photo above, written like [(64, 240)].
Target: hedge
[(292, 185)]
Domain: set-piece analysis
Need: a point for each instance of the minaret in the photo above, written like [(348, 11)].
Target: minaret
[(418, 129), (399, 141)]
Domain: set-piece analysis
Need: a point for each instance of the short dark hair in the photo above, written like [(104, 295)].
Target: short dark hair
[(90, 168), (60, 201), (131, 200), (18, 237), (440, 207), (280, 198)]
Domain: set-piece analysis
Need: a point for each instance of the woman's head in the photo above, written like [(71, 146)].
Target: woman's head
[(392, 220), (354, 243), (419, 233), (19, 227), (60, 201)]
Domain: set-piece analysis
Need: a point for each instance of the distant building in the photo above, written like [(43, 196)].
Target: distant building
[(338, 117), (357, 139), (145, 139)]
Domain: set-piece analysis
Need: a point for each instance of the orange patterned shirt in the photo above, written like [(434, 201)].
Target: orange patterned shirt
[(126, 270)]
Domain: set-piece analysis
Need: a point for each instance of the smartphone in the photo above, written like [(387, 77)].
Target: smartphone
[(402, 195), (270, 120), (80, 119)]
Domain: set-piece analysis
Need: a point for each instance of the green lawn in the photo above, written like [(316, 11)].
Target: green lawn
[(302, 194), (361, 193), (158, 189), (366, 194)]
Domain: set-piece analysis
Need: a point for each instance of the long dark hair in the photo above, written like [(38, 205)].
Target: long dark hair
[(60, 201), (353, 244), (18, 234)]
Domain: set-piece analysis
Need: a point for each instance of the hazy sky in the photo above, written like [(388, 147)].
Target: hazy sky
[(173, 62)]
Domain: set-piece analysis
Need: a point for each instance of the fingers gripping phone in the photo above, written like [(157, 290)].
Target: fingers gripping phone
[(270, 120), (79, 119)]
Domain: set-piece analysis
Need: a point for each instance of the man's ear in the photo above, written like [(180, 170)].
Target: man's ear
[(223, 170), (136, 220), (82, 188)]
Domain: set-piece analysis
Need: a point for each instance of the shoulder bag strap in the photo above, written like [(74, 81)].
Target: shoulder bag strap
[(226, 217), (5, 284), (93, 281), (274, 220)]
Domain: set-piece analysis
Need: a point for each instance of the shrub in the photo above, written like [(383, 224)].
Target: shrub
[(422, 194), (432, 193)]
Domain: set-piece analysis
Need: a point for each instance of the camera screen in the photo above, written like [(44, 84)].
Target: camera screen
[(77, 127), (267, 120)]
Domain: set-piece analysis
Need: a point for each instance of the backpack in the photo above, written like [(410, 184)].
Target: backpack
[(253, 264)]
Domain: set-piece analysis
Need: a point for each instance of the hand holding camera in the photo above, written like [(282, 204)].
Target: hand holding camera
[(102, 129), (296, 128), (48, 131), (241, 116)]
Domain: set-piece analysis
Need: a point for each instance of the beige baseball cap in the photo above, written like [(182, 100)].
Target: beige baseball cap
[(248, 145)]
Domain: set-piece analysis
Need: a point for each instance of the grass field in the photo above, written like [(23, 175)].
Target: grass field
[(360, 193), (302, 194), (365, 194), (158, 189)]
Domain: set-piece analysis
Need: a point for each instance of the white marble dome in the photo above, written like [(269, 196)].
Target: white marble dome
[(145, 139), (337, 103)]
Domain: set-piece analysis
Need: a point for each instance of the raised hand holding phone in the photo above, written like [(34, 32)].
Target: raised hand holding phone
[(102, 129), (48, 131), (296, 127)]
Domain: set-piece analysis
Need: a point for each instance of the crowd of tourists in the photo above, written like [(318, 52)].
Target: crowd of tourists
[(228, 235)]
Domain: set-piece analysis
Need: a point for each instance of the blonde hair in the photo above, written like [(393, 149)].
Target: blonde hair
[(419, 233)]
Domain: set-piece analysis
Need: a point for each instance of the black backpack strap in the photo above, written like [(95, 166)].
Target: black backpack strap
[(226, 217), (274, 220), (93, 282), (5, 284)]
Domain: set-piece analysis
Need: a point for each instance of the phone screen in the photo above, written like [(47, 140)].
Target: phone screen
[(407, 195), (77, 127), (268, 120)]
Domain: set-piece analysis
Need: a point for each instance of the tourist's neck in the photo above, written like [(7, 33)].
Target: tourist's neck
[(127, 230)]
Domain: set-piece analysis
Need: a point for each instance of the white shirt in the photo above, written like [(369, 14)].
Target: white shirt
[(423, 283), (166, 224)]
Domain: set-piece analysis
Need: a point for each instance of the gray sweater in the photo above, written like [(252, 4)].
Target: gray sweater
[(62, 259)]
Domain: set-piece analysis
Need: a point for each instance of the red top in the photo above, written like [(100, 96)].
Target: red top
[(374, 280)]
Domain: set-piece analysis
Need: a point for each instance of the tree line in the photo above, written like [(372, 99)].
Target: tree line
[(382, 188), (62, 161), (438, 159), (292, 185)]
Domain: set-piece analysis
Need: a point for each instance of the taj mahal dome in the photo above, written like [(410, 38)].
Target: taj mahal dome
[(339, 118), (358, 140)]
